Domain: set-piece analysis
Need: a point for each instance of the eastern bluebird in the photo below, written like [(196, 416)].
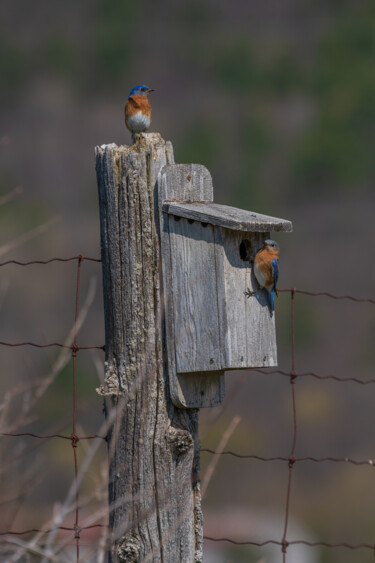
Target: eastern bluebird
[(266, 269), (138, 110)]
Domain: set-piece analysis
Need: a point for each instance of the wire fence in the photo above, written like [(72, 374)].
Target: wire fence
[(78, 529), (291, 459), (74, 438)]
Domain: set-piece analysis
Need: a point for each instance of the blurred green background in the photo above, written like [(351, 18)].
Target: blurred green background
[(278, 101)]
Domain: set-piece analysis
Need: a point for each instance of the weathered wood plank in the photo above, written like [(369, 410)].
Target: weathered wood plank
[(178, 182), (233, 276), (226, 216), (195, 296), (205, 385), (154, 497), (260, 325), (187, 182), (248, 337)]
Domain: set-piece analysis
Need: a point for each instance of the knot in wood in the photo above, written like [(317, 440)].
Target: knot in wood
[(129, 548), (179, 440)]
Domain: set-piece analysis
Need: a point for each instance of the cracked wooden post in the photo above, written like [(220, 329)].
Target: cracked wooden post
[(154, 497)]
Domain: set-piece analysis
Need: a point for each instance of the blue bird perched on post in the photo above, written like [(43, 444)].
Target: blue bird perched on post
[(138, 110), (266, 269)]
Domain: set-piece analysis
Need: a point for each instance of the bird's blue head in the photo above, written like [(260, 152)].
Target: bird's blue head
[(140, 90), (271, 245)]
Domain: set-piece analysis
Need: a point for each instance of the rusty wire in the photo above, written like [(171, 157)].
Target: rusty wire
[(285, 544), (291, 460), (73, 437), (80, 257)]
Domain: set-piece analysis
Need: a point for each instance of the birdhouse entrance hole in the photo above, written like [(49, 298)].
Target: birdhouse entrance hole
[(245, 250), (207, 261)]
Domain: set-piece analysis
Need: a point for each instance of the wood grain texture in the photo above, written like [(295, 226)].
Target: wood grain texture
[(248, 334), (216, 326), (191, 182), (211, 325), (226, 216), (195, 297), (187, 182), (155, 512)]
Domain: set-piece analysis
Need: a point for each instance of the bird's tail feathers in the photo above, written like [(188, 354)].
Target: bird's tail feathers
[(272, 300)]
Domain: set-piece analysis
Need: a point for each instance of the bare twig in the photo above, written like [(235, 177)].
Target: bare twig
[(212, 465), (5, 248), (32, 548), (62, 360), (18, 190)]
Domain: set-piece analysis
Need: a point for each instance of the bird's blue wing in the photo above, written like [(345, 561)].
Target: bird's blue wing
[(272, 300), (275, 273)]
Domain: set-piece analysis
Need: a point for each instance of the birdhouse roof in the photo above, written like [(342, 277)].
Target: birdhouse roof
[(226, 216)]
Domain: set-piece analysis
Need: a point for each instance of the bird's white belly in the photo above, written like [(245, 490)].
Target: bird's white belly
[(138, 122), (259, 276)]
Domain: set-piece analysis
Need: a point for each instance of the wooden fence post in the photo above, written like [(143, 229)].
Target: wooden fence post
[(154, 496)]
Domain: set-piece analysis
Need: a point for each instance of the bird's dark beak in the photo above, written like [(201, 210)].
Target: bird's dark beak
[(150, 90)]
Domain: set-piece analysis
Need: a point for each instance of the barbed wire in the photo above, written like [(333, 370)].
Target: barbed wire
[(290, 459)]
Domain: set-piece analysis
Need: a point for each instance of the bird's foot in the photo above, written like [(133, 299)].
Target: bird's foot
[(249, 293)]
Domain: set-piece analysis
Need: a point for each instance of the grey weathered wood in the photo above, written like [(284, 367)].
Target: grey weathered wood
[(194, 297), (226, 216), (216, 326), (187, 182), (155, 512), (183, 306), (247, 328), (211, 325)]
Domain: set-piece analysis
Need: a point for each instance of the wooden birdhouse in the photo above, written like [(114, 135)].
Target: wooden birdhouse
[(207, 266)]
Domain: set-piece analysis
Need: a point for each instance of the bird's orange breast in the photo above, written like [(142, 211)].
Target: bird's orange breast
[(137, 104), (263, 260)]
